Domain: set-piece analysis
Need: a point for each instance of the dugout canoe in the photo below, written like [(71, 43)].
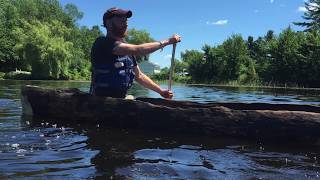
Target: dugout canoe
[(256, 120)]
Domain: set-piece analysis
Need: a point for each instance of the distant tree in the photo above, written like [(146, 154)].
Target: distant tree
[(180, 66), (250, 44), (213, 63), (139, 37), (195, 61), (269, 35), (236, 54), (287, 62), (310, 53), (72, 11), (163, 75)]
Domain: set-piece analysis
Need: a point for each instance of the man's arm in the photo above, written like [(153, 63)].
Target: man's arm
[(145, 81), (143, 49)]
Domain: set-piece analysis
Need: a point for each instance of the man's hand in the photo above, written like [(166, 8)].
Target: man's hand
[(174, 39), (166, 94)]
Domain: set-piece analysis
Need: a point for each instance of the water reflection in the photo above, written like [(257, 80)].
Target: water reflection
[(45, 150), (251, 94), (137, 155)]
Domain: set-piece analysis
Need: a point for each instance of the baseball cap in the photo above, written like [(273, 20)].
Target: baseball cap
[(116, 12)]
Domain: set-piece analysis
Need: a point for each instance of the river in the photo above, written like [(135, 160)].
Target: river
[(48, 151)]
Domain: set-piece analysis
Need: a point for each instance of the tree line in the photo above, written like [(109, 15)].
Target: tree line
[(290, 58)]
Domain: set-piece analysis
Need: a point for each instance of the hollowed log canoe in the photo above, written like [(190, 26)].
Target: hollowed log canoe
[(261, 121)]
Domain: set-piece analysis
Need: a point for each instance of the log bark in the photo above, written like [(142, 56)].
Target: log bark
[(275, 122)]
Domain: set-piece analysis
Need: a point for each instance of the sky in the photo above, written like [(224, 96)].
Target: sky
[(198, 22)]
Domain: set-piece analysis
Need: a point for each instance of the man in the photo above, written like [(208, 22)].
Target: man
[(113, 62)]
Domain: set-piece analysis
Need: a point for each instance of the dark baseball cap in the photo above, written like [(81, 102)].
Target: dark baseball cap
[(116, 12)]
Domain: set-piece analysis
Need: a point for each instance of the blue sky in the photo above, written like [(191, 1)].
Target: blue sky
[(198, 22)]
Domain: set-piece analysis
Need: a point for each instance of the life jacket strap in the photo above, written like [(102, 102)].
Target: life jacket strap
[(101, 71)]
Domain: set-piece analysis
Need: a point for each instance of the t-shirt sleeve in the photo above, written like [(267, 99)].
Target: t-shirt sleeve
[(132, 57), (101, 49)]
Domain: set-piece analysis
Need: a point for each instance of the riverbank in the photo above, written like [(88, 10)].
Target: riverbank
[(235, 85), (26, 75)]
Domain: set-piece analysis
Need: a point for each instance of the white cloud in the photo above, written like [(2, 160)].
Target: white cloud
[(302, 9), (220, 22), (312, 7)]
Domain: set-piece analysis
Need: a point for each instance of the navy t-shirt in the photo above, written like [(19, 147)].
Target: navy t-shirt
[(101, 53)]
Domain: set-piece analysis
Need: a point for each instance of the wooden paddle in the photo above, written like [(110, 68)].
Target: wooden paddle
[(172, 66)]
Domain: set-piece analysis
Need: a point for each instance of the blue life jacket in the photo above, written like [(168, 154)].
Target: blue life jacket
[(112, 75)]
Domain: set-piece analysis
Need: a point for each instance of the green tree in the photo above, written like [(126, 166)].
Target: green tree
[(310, 50), (195, 62), (8, 20), (312, 15), (263, 54), (214, 63), (287, 62), (236, 55), (83, 39), (250, 44), (163, 75), (269, 36), (180, 66), (45, 50)]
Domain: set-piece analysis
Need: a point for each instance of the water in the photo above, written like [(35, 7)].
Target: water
[(45, 151)]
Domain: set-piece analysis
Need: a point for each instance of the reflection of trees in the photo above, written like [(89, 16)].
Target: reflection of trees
[(115, 150), (11, 88), (117, 147), (276, 91)]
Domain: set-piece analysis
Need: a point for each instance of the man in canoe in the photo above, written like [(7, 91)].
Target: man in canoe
[(113, 60)]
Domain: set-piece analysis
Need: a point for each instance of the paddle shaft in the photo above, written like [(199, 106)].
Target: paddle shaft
[(172, 66)]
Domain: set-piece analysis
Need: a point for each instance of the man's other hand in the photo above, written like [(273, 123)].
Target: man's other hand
[(166, 94)]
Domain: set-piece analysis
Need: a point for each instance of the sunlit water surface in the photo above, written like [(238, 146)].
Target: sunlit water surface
[(37, 151)]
